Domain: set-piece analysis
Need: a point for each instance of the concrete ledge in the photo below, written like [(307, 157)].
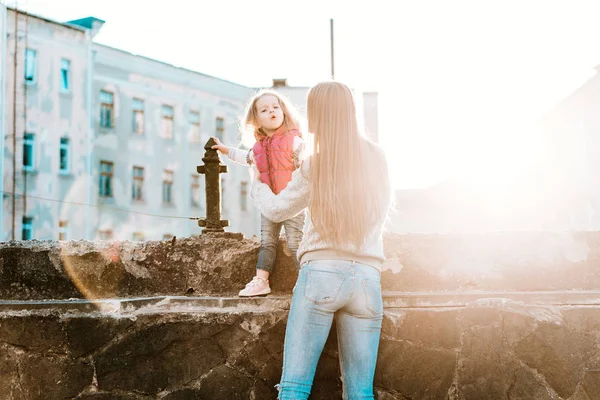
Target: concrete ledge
[(391, 300), (221, 264)]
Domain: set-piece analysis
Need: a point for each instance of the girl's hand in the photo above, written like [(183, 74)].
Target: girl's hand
[(220, 146)]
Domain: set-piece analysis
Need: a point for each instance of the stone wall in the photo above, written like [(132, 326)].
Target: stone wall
[(511, 315)]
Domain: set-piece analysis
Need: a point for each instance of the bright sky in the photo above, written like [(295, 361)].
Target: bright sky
[(461, 83)]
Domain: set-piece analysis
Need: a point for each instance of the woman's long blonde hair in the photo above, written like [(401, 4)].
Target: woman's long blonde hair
[(345, 184), (250, 122)]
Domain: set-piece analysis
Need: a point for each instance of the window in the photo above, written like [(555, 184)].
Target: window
[(220, 128), (27, 229), (63, 233), (167, 122), (105, 234), (30, 65), (167, 186), (195, 190), (138, 184), (65, 75), (64, 155), (195, 122), (29, 152), (138, 116), (244, 196), (223, 186), (106, 175), (106, 109), (138, 236)]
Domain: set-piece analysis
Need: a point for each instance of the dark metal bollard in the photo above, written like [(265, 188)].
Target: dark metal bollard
[(211, 169)]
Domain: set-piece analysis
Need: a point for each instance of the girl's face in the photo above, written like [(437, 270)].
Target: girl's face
[(269, 113)]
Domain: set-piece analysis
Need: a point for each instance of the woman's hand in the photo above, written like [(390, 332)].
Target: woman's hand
[(254, 174), (220, 146)]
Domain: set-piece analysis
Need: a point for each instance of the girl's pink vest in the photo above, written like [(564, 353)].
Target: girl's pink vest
[(274, 158)]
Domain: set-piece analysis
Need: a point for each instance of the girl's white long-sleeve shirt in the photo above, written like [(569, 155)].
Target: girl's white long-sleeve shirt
[(246, 157)]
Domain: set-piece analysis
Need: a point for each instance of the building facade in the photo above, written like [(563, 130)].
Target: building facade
[(151, 121), (105, 143), (45, 106)]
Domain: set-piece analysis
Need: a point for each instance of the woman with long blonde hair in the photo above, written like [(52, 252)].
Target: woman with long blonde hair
[(345, 186)]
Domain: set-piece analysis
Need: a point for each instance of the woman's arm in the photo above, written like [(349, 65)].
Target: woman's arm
[(299, 151), (288, 203)]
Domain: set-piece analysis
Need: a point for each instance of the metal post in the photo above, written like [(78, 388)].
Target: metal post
[(331, 34), (14, 125), (211, 169), (89, 137), (3, 66)]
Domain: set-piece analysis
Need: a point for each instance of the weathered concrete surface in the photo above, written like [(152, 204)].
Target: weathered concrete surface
[(507, 315), (221, 264), (485, 350), (211, 264)]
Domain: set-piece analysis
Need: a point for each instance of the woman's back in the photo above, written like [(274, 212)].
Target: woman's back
[(368, 200)]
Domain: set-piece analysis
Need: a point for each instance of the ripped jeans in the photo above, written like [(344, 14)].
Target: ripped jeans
[(350, 291)]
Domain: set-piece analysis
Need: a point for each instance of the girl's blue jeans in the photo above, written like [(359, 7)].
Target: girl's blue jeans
[(269, 237), (350, 291)]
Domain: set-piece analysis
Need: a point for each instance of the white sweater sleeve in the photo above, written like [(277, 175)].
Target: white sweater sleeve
[(239, 156), (289, 202)]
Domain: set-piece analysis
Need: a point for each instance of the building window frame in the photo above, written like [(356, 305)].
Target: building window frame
[(65, 75), (138, 236), (167, 187), (105, 234), (244, 195), (167, 122), (137, 187), (30, 73), (28, 151), (195, 191), (220, 128), (195, 127), (27, 228), (63, 230), (105, 188), (64, 159), (107, 107), (137, 112)]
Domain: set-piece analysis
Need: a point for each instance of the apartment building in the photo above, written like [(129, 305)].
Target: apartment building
[(103, 144)]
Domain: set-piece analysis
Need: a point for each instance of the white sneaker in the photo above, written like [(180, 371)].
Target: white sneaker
[(256, 287)]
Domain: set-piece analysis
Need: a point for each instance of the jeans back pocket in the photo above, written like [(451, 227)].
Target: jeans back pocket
[(322, 287), (373, 298)]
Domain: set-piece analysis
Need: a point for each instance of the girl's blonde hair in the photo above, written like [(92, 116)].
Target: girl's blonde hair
[(250, 124), (346, 169)]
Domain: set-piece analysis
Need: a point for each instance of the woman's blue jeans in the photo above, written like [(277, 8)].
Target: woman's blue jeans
[(350, 291)]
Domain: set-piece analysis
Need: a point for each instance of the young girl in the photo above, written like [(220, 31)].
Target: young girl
[(276, 154)]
